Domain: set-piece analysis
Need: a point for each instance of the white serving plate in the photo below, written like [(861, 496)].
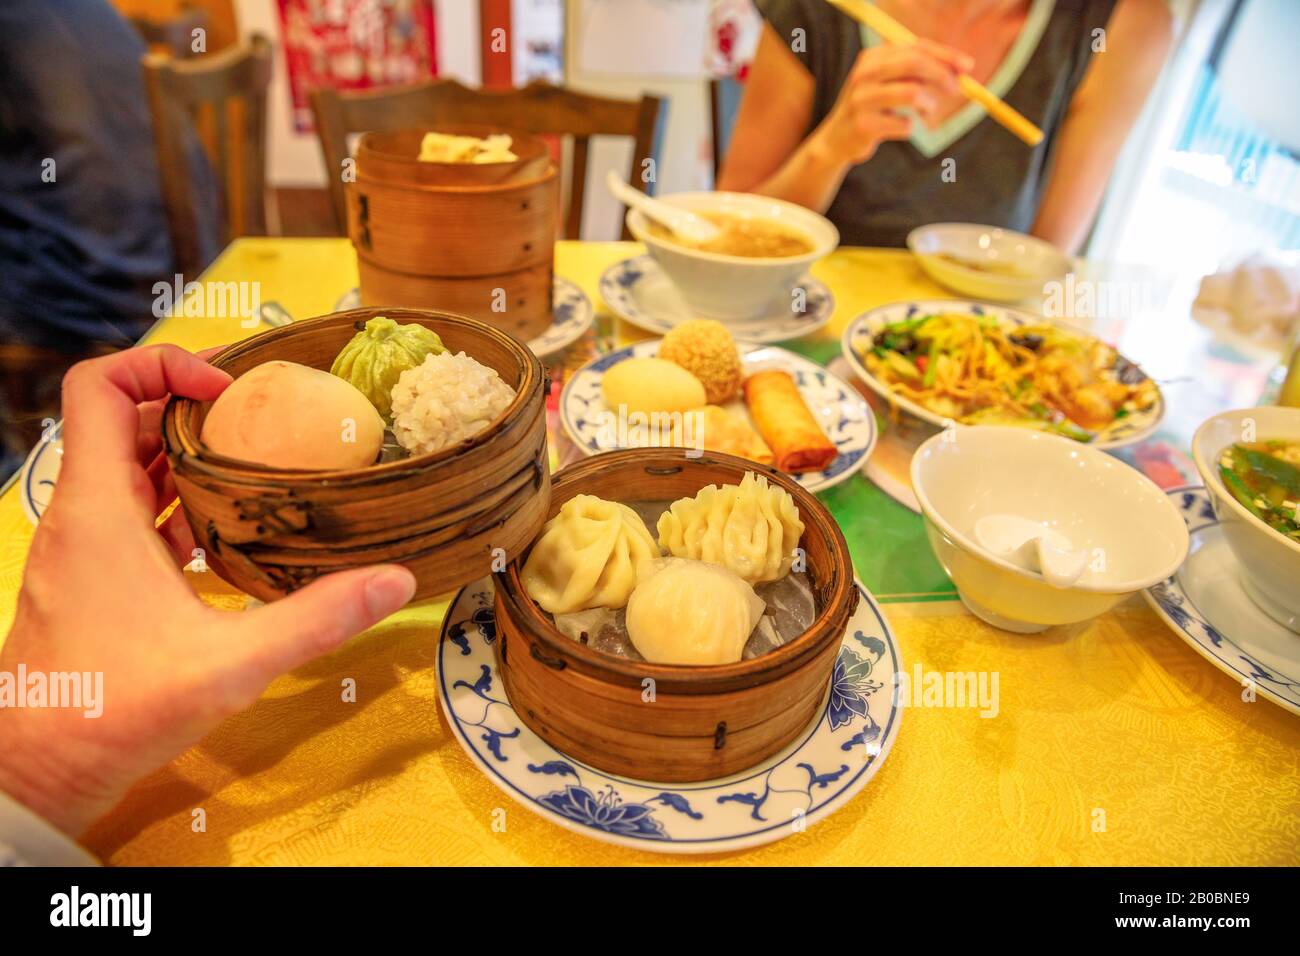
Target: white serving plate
[(842, 413), (39, 473), (816, 775), (638, 291), (862, 331), (1204, 603)]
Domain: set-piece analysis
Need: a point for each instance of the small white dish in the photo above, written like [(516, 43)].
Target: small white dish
[(735, 288), (967, 258), (1269, 562), (639, 291), (1131, 532), (842, 413), (572, 316), (1204, 603), (861, 332), (39, 473), (810, 779)]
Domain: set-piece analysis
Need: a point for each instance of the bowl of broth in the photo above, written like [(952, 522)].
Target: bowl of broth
[(763, 248), (1249, 460)]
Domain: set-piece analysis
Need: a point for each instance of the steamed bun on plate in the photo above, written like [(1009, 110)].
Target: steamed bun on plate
[(651, 385), (690, 612), (587, 556), (286, 415)]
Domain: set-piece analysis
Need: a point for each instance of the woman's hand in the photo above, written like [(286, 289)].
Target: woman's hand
[(103, 593), (884, 81)]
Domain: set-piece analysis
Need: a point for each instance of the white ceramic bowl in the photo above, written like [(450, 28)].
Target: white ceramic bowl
[(1270, 563), (1038, 262), (735, 287), (1131, 531)]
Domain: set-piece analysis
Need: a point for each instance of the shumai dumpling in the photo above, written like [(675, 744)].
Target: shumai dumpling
[(752, 528), (587, 556), (690, 612)]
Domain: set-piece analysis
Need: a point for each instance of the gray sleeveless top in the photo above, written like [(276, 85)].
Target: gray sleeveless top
[(999, 180)]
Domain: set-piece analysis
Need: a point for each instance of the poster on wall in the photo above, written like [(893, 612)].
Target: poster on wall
[(354, 45)]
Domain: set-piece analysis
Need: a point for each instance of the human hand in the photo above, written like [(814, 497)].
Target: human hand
[(884, 80), (103, 593)]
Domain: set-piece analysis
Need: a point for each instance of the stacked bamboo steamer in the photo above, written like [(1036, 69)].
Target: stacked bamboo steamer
[(477, 239)]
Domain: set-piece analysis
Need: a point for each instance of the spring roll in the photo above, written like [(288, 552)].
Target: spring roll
[(715, 429), (797, 441)]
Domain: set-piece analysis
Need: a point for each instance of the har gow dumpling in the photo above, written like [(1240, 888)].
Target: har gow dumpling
[(587, 556), (752, 528), (690, 612)]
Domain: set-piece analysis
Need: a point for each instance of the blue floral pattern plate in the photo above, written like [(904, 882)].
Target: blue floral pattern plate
[(1207, 607), (637, 290), (40, 472), (810, 779), (843, 414), (572, 316), (861, 332)]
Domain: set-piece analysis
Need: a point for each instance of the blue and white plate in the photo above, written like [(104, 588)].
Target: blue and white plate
[(810, 779), (842, 413), (858, 337), (637, 290), (40, 472), (1206, 606), (572, 316)]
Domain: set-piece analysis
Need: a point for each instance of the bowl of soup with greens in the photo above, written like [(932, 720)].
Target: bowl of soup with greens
[(763, 248), (1250, 461)]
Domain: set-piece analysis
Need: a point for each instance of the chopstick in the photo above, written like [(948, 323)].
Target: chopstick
[(891, 31)]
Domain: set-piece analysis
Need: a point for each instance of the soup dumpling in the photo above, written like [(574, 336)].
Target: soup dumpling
[(587, 556), (690, 612), (751, 528)]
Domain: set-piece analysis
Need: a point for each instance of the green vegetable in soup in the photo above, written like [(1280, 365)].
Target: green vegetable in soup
[(1267, 484)]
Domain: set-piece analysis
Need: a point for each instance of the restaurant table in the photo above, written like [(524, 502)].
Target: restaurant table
[(1114, 742)]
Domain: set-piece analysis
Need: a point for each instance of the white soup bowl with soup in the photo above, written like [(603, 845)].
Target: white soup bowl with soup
[(736, 287), (1270, 561)]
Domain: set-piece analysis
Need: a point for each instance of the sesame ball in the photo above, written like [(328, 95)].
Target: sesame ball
[(706, 349)]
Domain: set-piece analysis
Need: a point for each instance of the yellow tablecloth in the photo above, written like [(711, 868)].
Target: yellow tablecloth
[(1115, 721)]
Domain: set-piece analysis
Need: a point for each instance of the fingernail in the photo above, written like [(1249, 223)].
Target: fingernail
[(389, 590)]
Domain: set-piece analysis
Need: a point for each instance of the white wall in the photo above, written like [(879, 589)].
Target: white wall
[(685, 161)]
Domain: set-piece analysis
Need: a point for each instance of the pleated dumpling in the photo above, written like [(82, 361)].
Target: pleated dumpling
[(752, 528), (690, 612), (587, 556)]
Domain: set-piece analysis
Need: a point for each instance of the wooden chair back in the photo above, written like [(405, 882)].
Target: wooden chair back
[(540, 108), (175, 34), (223, 98)]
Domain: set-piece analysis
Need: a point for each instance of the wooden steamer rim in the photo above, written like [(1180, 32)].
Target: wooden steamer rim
[(182, 421), (837, 597)]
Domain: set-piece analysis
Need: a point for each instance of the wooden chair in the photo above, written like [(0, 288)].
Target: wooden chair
[(175, 34), (539, 108), (224, 97)]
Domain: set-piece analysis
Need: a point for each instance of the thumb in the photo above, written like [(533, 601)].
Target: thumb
[(322, 616)]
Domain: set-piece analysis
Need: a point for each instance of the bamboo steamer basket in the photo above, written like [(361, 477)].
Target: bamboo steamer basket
[(476, 238), (704, 722), (269, 531)]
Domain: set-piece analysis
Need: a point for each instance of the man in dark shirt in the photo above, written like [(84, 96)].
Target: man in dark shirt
[(83, 235)]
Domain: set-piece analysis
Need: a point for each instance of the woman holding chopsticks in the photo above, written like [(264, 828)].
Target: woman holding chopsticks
[(883, 136)]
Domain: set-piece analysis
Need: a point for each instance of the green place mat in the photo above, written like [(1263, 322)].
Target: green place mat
[(890, 551), (887, 541)]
